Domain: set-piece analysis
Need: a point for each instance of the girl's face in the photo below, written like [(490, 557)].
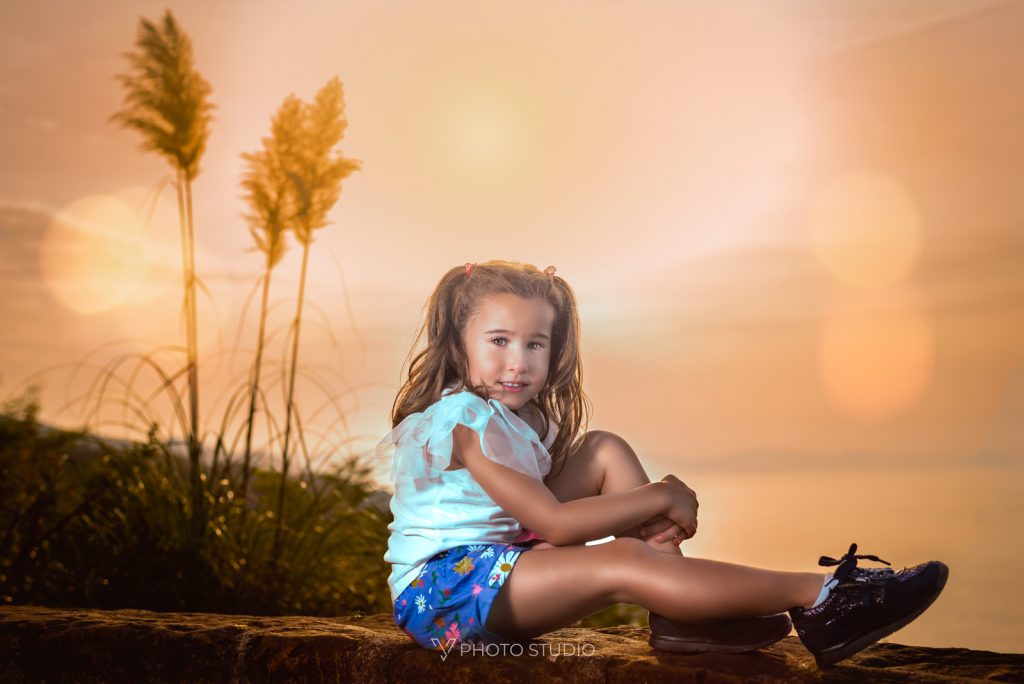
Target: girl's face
[(509, 341)]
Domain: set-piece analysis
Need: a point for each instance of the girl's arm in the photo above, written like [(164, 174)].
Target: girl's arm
[(533, 504)]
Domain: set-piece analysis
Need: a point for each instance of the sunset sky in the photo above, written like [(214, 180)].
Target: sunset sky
[(794, 229)]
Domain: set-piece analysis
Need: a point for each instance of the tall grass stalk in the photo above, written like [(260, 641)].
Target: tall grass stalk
[(316, 172), (166, 101), (272, 200)]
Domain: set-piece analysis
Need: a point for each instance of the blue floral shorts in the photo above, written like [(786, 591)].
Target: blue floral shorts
[(450, 600)]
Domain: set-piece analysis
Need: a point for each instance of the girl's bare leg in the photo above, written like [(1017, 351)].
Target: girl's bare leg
[(604, 464), (553, 587)]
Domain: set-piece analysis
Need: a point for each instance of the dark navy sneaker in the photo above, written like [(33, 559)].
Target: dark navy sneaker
[(726, 636), (865, 605)]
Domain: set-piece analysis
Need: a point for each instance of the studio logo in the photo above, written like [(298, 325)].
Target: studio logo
[(445, 650), (544, 649)]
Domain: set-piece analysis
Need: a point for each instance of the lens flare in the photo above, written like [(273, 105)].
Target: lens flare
[(876, 355), (866, 230)]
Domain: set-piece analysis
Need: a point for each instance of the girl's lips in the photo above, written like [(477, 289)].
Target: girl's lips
[(513, 389)]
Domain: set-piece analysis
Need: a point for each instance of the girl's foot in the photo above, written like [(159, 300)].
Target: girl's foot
[(864, 605), (727, 636)]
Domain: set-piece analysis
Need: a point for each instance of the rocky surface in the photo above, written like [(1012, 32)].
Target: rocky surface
[(80, 645)]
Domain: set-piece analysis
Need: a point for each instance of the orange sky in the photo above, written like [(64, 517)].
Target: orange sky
[(793, 229)]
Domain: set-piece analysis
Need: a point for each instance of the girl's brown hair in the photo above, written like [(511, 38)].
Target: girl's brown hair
[(444, 362)]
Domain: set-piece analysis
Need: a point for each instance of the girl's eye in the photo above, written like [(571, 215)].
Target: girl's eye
[(496, 339)]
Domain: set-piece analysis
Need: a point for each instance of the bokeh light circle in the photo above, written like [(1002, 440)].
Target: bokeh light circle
[(866, 229), (876, 354)]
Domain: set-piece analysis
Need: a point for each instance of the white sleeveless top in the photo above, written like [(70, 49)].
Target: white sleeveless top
[(435, 509)]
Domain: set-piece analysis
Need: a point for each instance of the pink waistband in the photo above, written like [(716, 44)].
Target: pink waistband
[(527, 535)]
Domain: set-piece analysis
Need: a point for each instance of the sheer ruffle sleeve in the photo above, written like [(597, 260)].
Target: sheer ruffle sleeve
[(421, 445)]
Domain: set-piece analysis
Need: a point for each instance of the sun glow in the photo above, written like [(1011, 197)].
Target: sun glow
[(119, 255), (91, 254)]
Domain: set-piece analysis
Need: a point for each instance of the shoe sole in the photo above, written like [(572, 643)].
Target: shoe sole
[(832, 655), (693, 647)]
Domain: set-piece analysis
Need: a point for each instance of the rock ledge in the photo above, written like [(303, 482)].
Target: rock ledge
[(85, 645)]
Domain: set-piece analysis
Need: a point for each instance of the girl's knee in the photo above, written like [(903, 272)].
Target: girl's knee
[(621, 466), (623, 553), (601, 437), (611, 443), (627, 547), (592, 443), (623, 556), (616, 554)]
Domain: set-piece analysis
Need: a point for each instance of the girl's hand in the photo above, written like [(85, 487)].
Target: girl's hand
[(681, 505), (662, 529)]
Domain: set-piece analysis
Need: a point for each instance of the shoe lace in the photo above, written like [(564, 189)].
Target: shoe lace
[(868, 580), (848, 564)]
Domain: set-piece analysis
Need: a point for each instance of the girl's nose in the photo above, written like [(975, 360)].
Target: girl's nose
[(517, 361)]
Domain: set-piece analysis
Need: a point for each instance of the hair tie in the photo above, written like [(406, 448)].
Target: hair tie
[(469, 268), (550, 271)]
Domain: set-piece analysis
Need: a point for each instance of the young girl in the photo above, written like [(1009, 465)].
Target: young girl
[(498, 487)]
